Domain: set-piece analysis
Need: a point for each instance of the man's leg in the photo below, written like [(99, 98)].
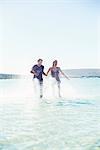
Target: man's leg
[(41, 89)]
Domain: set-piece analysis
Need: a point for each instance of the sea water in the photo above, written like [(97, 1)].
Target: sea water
[(68, 123)]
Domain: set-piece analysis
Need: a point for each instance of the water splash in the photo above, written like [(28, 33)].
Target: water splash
[(25, 88)]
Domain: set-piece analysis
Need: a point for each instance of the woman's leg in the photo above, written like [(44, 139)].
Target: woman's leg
[(59, 92)]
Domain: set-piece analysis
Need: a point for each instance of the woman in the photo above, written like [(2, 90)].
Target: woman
[(55, 72)]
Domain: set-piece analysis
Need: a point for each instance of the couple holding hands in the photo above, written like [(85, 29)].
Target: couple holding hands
[(38, 72)]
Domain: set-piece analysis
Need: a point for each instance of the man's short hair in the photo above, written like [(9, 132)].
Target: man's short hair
[(40, 59)]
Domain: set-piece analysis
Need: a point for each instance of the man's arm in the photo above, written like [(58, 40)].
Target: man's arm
[(33, 72), (43, 71), (44, 74)]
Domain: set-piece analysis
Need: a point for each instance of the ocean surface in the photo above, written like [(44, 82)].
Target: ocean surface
[(68, 123)]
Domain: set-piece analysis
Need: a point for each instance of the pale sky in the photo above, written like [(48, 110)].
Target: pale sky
[(67, 30)]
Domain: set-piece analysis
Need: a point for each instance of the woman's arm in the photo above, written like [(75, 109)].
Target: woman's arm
[(48, 71), (64, 74)]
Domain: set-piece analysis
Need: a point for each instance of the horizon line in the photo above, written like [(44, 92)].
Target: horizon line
[(62, 69)]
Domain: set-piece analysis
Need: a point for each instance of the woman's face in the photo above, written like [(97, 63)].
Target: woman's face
[(55, 63)]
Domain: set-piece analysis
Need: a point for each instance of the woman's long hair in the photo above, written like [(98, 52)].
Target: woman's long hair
[(54, 63)]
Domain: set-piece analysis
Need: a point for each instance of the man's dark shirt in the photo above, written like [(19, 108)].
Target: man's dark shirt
[(39, 70)]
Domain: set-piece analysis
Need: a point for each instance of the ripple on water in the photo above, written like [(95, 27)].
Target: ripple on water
[(55, 126)]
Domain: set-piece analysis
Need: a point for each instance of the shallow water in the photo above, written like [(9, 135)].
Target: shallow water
[(69, 123)]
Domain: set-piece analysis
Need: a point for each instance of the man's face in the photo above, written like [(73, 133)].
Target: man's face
[(40, 62)]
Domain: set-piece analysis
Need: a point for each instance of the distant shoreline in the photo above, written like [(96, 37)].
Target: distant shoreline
[(72, 73), (9, 76)]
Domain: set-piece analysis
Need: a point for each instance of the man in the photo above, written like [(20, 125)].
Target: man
[(38, 71)]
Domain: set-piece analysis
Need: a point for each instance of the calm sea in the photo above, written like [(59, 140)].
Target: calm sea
[(68, 123)]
